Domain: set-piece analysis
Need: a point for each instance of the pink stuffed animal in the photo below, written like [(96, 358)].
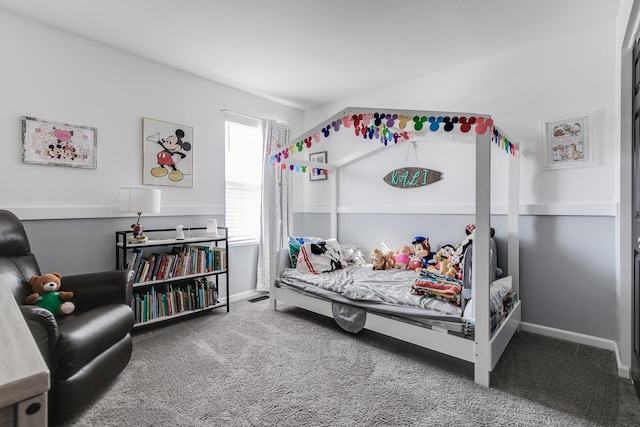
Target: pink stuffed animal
[(404, 256)]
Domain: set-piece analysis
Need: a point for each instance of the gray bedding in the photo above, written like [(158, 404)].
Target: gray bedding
[(381, 290), (356, 290)]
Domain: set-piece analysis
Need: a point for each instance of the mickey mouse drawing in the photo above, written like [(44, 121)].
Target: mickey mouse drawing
[(172, 145)]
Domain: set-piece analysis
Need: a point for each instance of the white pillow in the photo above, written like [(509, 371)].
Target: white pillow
[(497, 291), (320, 257)]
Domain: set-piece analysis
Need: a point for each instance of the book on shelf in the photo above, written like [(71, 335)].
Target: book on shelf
[(157, 302), (182, 261)]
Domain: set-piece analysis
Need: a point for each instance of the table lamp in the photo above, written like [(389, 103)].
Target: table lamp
[(212, 228), (139, 200)]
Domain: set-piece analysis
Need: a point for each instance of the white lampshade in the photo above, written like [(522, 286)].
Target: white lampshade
[(212, 227), (139, 200)]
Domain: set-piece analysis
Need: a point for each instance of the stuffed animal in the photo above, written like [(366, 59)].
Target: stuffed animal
[(445, 252), (381, 260), (447, 268), (378, 259), (421, 243), (47, 294), (404, 256), (468, 240), (422, 251), (389, 260)]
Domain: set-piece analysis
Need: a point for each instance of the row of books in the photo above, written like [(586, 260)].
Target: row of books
[(181, 261), (198, 294)]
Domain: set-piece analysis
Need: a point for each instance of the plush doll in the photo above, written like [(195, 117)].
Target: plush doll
[(421, 243), (468, 240), (422, 251), (378, 259), (47, 294), (447, 268), (444, 262), (403, 256), (389, 260)]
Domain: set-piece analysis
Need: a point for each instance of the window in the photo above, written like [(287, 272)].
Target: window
[(243, 178)]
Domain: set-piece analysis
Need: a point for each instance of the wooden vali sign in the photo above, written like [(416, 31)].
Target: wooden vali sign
[(412, 177)]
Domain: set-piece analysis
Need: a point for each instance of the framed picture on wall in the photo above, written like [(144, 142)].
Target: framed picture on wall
[(315, 174), (167, 153), (59, 144), (567, 142)]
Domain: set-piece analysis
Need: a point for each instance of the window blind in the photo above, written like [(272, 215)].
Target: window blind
[(243, 177)]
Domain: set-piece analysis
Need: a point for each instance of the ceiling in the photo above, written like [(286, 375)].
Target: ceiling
[(306, 53)]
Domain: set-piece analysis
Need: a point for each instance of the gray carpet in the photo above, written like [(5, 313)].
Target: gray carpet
[(256, 367)]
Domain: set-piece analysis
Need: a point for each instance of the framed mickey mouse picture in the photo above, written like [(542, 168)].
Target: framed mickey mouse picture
[(167, 153)]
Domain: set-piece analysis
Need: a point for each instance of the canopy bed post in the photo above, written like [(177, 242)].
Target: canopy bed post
[(513, 254), (335, 181), (273, 261), (481, 263), (275, 230)]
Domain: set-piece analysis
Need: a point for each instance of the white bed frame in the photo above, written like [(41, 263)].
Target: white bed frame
[(485, 351)]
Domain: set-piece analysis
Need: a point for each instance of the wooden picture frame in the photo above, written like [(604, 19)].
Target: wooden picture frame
[(59, 144), (320, 157), (167, 153), (568, 142)]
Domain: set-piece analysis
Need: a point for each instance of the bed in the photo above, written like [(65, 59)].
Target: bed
[(473, 339)]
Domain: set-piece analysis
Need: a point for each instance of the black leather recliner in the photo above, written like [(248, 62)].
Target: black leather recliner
[(85, 350)]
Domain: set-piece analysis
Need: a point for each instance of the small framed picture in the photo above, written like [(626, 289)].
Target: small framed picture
[(59, 144), (318, 174), (567, 142)]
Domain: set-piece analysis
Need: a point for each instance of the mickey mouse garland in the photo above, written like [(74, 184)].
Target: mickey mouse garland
[(381, 126)]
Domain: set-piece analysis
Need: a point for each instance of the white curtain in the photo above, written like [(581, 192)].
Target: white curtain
[(277, 200)]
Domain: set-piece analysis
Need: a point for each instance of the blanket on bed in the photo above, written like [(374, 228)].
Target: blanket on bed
[(362, 283)]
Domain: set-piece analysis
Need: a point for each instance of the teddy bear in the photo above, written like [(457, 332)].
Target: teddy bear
[(47, 294), (378, 259)]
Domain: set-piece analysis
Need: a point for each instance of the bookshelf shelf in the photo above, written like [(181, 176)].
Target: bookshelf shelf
[(174, 278), (180, 314)]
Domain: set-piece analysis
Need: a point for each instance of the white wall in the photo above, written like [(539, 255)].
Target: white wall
[(572, 74), (57, 76), (71, 213)]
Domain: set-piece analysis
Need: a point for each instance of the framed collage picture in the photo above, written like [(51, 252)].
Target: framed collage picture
[(567, 142), (320, 157), (59, 144)]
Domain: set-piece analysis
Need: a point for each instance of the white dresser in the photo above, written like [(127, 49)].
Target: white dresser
[(24, 376)]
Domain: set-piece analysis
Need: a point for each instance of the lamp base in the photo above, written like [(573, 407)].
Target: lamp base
[(136, 240)]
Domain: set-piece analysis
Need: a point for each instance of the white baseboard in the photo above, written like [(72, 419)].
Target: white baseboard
[(623, 370), (245, 295)]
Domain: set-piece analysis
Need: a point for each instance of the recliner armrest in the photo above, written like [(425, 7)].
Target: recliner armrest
[(44, 329), (96, 289)]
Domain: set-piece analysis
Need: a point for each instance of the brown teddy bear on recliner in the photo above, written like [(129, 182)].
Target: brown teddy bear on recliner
[(47, 294)]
